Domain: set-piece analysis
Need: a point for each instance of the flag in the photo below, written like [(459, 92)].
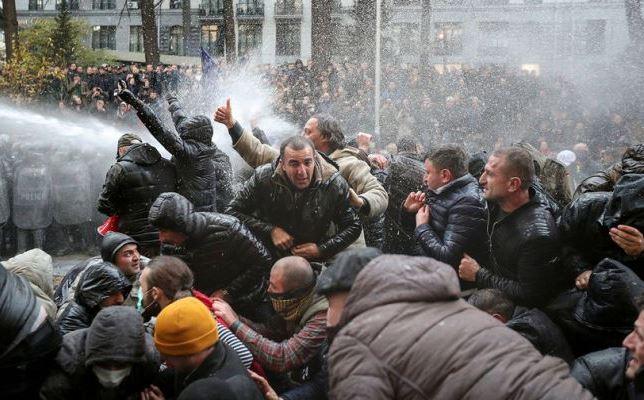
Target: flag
[(208, 64)]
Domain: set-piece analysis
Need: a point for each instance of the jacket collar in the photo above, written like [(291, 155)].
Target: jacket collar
[(211, 364), (453, 185)]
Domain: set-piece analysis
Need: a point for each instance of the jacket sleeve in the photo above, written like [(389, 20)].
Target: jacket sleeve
[(348, 228), (251, 149), (244, 204), (288, 354), (253, 256), (110, 197), (602, 181), (535, 273), (368, 187), (168, 139), (466, 220), (356, 373)]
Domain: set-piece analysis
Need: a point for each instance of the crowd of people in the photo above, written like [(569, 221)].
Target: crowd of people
[(449, 264)]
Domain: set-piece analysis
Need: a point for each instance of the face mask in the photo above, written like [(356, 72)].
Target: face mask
[(176, 251), (151, 310), (291, 306), (109, 378)]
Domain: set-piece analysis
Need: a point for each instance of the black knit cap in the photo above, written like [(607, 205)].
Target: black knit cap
[(341, 274)]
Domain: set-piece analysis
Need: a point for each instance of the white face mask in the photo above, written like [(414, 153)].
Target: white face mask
[(111, 378)]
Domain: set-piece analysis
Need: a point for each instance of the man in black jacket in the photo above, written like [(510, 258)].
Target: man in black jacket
[(192, 148), (292, 202), (524, 239), (227, 260), (139, 176), (450, 216)]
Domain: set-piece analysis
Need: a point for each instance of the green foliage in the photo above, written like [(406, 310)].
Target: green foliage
[(43, 49)]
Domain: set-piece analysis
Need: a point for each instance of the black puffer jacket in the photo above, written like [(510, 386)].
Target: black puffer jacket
[(585, 224), (544, 335), (224, 181), (457, 223), (268, 200), (221, 252), (98, 283), (405, 175), (19, 310), (131, 185), (192, 149), (116, 335), (524, 250), (632, 163), (602, 373)]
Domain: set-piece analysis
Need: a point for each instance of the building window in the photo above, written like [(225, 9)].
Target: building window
[(213, 7), (71, 4), (493, 40), (449, 38), (595, 36), (175, 4), (407, 36), (249, 38), (104, 37), (250, 7), (287, 38), (288, 7), (104, 4), (136, 39), (212, 39), (176, 41), (35, 5)]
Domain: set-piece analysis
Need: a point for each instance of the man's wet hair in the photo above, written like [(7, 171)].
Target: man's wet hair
[(329, 128), (518, 163), (297, 142), (450, 157), (492, 301)]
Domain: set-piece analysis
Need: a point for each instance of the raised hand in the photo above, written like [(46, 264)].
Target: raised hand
[(224, 115)]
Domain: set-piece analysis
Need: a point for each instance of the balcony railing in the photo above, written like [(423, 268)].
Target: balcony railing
[(214, 8), (288, 9), (250, 9)]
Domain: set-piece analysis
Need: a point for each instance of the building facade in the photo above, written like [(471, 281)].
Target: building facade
[(540, 35)]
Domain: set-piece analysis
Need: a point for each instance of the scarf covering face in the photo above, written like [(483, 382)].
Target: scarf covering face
[(291, 306)]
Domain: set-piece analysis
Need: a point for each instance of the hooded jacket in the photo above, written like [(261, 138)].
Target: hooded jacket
[(525, 251), (116, 335), (632, 163), (405, 334), (221, 252), (111, 244), (95, 285), (37, 267), (268, 200), (191, 148), (131, 186)]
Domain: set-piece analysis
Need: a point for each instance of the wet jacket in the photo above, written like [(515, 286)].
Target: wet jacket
[(405, 175), (96, 284), (222, 363), (192, 149), (110, 245), (632, 163), (524, 254), (356, 172), (405, 334), (224, 180), (602, 373), (585, 224), (37, 267), (20, 311), (544, 335), (116, 335), (131, 186), (268, 200), (221, 252), (457, 223)]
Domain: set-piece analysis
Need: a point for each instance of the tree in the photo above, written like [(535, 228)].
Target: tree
[(10, 26), (185, 17), (229, 31), (321, 39), (425, 35), (150, 37), (63, 37)]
